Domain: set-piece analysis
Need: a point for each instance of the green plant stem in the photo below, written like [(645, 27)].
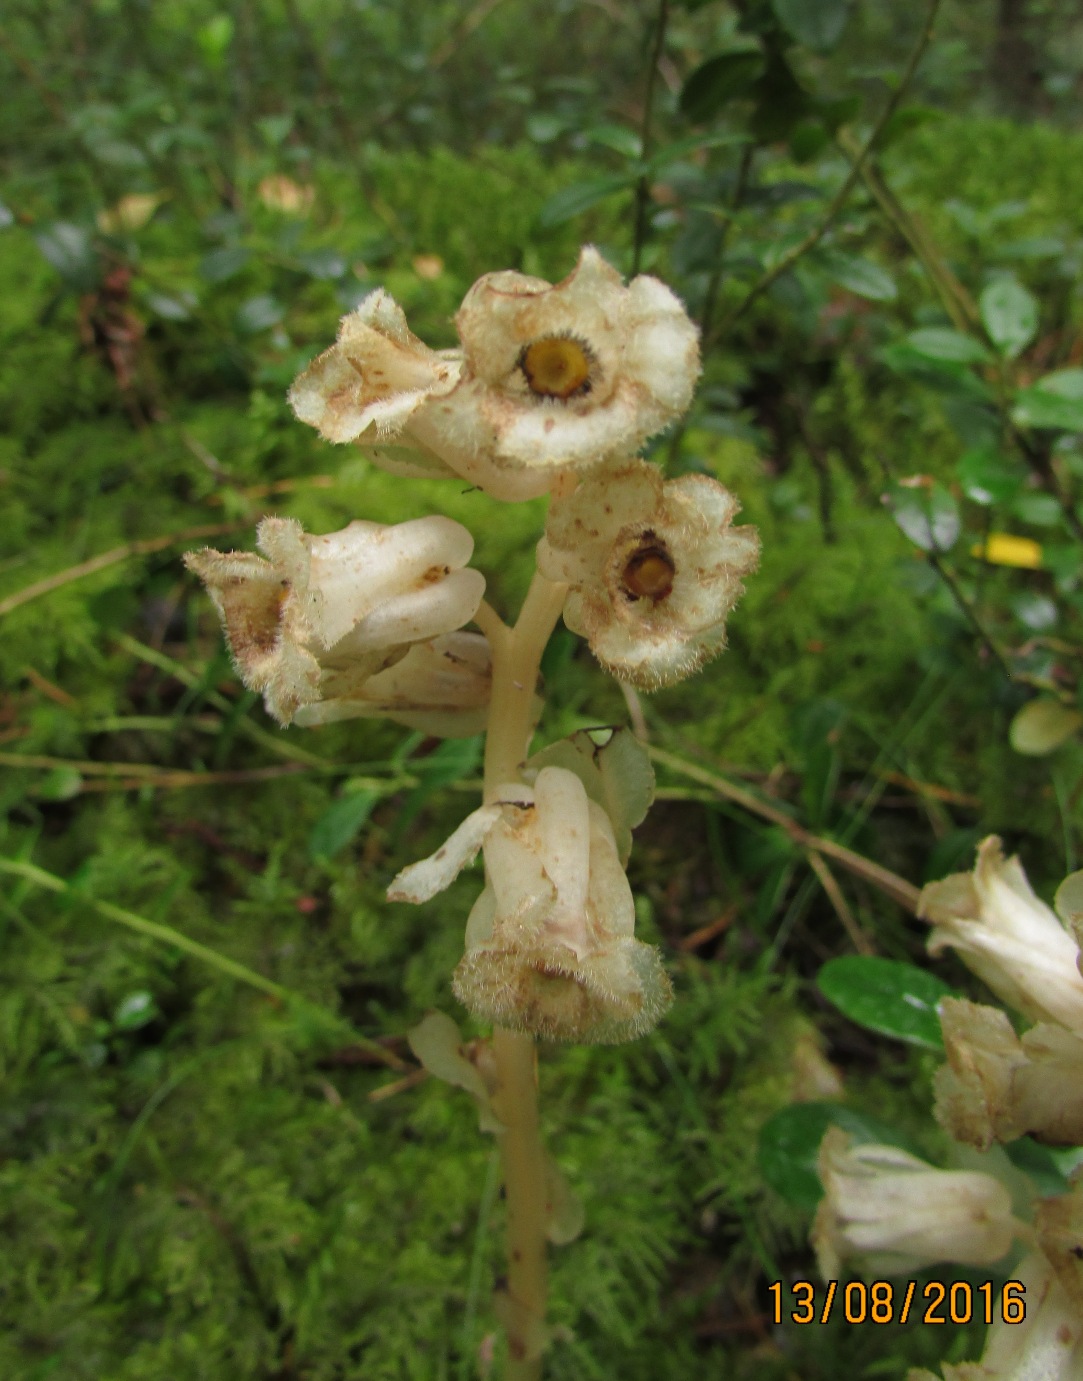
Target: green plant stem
[(842, 196), (967, 610), (643, 186), (517, 654)]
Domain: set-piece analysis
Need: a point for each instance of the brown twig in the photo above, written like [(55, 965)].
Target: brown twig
[(111, 558), (829, 883), (891, 884)]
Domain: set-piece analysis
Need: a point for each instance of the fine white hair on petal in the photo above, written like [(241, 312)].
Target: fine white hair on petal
[(421, 881), (654, 566)]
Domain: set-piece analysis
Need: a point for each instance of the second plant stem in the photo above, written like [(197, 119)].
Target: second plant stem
[(517, 654)]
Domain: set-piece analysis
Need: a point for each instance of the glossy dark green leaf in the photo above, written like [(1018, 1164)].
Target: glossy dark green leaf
[(581, 196), (818, 24), (988, 477), (860, 276), (134, 1011), (340, 824), (789, 1145), (942, 343), (887, 996), (929, 516), (1056, 400), (70, 250), (1010, 315), (721, 79)]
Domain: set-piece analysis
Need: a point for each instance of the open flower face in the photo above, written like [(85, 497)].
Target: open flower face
[(348, 604), (560, 377), (371, 382), (440, 687), (655, 568), (550, 947), (1008, 937), (901, 1215)]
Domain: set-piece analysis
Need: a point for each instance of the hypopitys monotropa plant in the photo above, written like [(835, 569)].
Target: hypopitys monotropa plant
[(553, 391)]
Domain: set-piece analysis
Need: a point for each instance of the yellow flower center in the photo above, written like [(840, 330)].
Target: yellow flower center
[(556, 367), (649, 574)]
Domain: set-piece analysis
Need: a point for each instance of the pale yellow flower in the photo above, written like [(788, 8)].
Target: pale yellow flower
[(558, 378), (1008, 937), (655, 568), (339, 608), (997, 1086), (900, 1214), (440, 687), (550, 947), (371, 382), (1045, 1345)]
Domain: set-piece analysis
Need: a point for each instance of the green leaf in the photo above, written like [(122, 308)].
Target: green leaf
[(259, 314), (70, 250), (1010, 314), (214, 38), (818, 24), (340, 825), (323, 263), (942, 343), (580, 197), (928, 516), (455, 760), (619, 138), (789, 1146), (224, 263), (1042, 725), (1039, 1163), (136, 1010), (61, 784), (721, 79), (860, 276), (988, 477), (176, 306), (887, 996), (1041, 407)]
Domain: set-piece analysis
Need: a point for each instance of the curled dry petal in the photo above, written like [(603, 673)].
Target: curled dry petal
[(901, 1215), (373, 379), (345, 605), (655, 568), (997, 1087), (1008, 937)]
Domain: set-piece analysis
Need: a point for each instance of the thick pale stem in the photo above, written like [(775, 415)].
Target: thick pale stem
[(517, 654)]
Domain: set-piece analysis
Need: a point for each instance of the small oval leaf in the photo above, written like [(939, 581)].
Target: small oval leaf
[(1010, 315), (887, 996), (1042, 725)]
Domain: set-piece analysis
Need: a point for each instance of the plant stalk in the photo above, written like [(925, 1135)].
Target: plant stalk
[(517, 654)]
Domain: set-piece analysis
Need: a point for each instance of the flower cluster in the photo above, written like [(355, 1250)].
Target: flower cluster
[(552, 390), (998, 1086)]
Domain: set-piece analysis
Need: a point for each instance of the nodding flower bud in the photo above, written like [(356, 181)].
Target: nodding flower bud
[(550, 947), (900, 1214), (337, 609), (1008, 937), (440, 687), (655, 568), (370, 383)]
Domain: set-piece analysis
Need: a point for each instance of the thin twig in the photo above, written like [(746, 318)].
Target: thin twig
[(643, 186), (969, 613), (839, 200), (891, 884), (828, 882), (111, 558)]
